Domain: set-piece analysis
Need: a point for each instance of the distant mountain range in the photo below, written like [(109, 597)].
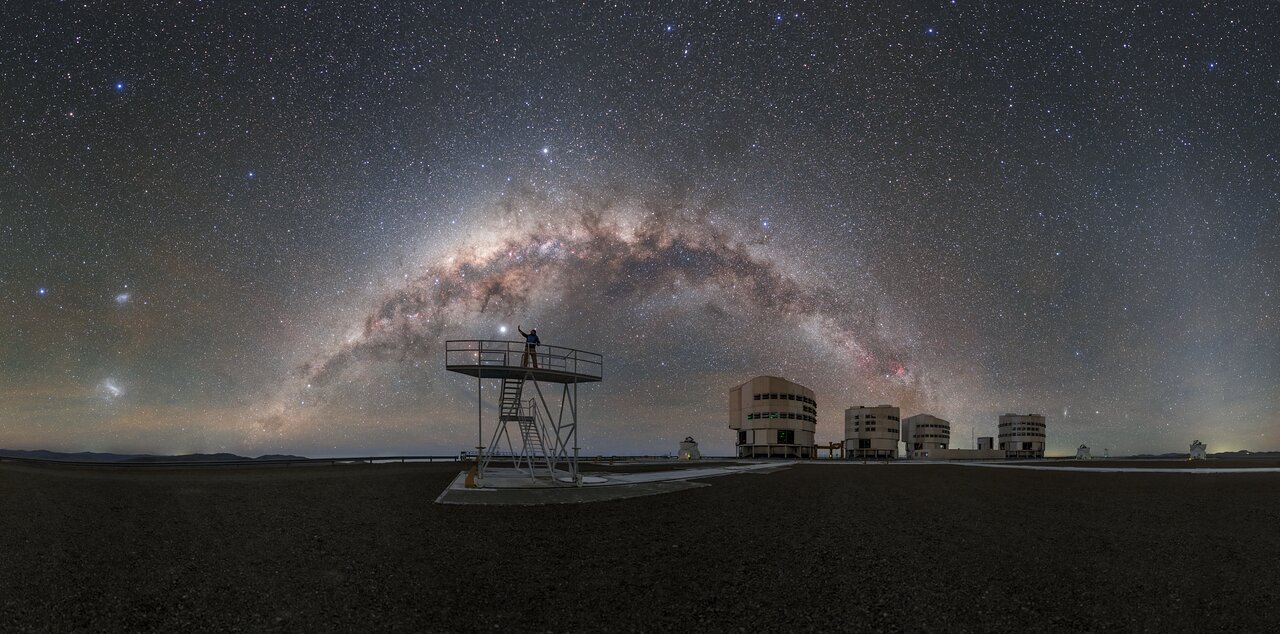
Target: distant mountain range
[(1243, 453), (90, 456)]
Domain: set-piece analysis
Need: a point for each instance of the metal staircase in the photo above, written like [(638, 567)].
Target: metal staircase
[(531, 437), (513, 410), (509, 408)]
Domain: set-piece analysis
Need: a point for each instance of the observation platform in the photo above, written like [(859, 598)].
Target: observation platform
[(493, 359)]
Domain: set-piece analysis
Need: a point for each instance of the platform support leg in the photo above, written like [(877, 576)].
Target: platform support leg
[(573, 411), (479, 425)]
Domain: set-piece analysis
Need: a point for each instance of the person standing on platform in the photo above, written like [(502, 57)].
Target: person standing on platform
[(530, 347)]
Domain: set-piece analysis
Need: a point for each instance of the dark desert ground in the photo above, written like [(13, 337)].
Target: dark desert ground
[(810, 547)]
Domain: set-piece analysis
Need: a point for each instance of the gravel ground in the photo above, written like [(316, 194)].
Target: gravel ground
[(812, 547)]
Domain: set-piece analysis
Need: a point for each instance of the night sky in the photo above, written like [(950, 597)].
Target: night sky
[(249, 227)]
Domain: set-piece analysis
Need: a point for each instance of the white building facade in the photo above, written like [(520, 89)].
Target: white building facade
[(1198, 451), (1022, 435), (689, 449), (871, 431), (774, 417), (924, 433)]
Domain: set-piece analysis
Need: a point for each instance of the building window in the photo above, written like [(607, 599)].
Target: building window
[(786, 437), (864, 443), (742, 437)]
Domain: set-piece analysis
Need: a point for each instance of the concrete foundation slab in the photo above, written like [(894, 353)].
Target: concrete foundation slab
[(516, 487)]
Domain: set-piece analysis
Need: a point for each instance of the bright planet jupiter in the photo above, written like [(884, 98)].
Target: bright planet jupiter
[(250, 227)]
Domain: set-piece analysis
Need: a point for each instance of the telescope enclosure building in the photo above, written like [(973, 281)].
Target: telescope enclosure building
[(871, 431), (924, 433), (775, 418), (1022, 435)]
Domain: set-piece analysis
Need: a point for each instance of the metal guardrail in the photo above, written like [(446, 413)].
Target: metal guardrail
[(249, 462), (510, 354)]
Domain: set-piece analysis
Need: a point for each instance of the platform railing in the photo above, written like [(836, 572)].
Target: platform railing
[(510, 354)]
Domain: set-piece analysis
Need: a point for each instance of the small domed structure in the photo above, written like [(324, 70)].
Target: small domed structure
[(1198, 451), (1083, 453), (689, 449)]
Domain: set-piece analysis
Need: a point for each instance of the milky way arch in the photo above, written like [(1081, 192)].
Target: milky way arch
[(591, 251)]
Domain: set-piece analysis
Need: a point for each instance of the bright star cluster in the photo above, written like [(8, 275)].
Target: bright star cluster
[(250, 226)]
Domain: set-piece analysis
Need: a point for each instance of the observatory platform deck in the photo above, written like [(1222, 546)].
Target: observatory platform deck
[(491, 359)]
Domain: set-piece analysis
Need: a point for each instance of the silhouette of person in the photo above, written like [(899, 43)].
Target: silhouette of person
[(530, 347)]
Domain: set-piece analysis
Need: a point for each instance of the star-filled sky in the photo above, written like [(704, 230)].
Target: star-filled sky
[(249, 227)]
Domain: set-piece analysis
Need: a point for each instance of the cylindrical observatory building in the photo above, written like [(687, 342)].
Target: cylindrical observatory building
[(775, 418), (924, 433), (871, 431), (1022, 435)]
